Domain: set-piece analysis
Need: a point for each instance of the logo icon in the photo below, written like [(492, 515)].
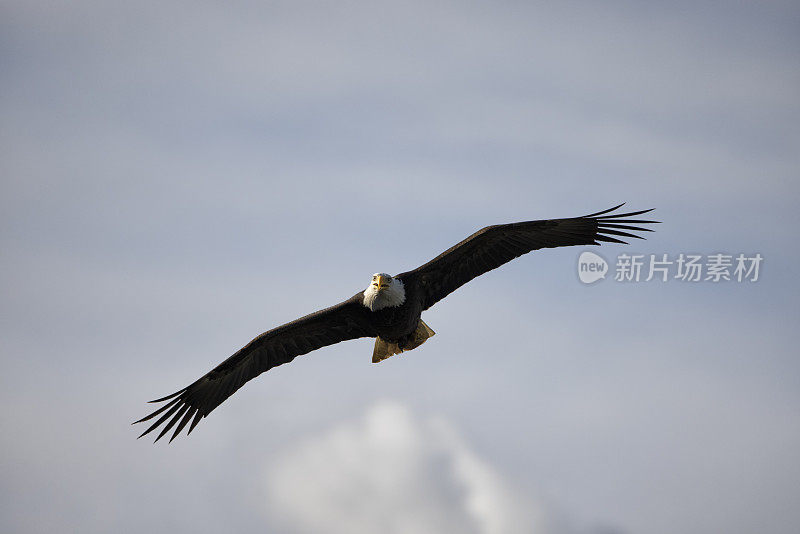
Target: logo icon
[(591, 267)]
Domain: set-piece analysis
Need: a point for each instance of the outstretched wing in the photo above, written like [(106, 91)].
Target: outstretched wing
[(347, 320), (491, 247)]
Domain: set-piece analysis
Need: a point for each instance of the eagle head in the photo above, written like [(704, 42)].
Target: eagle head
[(384, 292)]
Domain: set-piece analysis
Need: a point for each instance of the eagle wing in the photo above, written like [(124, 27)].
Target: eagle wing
[(491, 247), (346, 320)]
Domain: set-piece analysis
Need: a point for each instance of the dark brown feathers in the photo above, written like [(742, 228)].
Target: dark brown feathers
[(347, 320), (491, 247)]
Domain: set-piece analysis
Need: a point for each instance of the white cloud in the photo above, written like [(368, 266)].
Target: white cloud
[(392, 471)]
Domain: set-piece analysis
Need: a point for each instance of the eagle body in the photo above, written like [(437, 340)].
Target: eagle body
[(398, 323), (389, 309)]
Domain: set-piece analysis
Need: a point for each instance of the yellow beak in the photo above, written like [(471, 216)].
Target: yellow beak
[(382, 283)]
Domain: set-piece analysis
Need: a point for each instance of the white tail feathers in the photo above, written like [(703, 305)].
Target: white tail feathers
[(384, 349)]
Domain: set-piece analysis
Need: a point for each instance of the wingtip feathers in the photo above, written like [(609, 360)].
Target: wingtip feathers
[(614, 224)]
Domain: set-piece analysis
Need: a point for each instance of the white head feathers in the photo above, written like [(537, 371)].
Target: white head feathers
[(384, 292)]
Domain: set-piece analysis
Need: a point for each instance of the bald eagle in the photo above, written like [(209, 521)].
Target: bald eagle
[(389, 309)]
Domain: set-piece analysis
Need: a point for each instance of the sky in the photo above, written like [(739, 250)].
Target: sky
[(178, 177)]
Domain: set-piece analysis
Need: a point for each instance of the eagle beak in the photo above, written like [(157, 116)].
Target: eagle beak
[(382, 283)]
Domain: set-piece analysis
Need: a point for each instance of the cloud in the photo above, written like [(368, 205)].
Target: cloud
[(392, 471)]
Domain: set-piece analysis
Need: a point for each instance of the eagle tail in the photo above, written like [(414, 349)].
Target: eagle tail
[(383, 349)]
